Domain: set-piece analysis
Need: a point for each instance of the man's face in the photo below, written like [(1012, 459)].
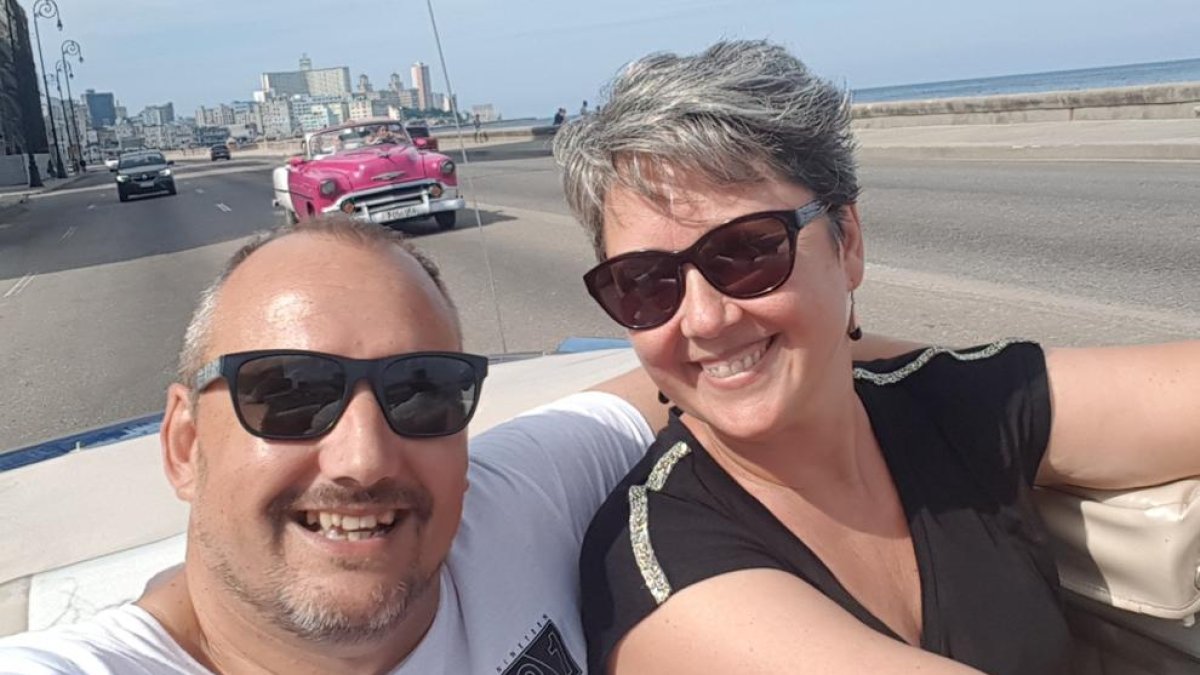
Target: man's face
[(262, 509)]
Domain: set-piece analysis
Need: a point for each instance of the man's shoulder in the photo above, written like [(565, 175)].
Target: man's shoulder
[(122, 640)]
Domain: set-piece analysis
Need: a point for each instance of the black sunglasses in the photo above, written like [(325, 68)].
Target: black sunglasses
[(287, 394), (749, 256)]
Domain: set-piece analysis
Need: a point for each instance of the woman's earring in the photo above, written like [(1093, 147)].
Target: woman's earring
[(852, 329)]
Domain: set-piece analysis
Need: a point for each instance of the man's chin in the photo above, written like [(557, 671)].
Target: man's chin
[(345, 613)]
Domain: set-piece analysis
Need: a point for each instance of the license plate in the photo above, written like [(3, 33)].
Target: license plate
[(397, 214), (146, 184)]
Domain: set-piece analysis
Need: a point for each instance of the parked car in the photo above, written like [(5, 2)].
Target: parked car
[(219, 152), (371, 170), (419, 132), (143, 173)]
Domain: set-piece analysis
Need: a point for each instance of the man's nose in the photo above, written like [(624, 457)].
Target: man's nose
[(362, 449)]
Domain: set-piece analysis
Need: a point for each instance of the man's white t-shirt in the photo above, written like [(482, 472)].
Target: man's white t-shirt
[(509, 589)]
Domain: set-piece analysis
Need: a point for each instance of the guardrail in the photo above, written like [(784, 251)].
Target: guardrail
[(1149, 102)]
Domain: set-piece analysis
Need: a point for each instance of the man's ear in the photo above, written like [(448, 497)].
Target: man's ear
[(853, 260), (180, 445)]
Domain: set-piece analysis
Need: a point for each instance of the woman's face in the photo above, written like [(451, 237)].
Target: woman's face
[(746, 367)]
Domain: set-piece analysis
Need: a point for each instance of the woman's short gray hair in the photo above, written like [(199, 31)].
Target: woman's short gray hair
[(735, 114)]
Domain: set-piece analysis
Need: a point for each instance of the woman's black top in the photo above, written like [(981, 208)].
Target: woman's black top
[(962, 434)]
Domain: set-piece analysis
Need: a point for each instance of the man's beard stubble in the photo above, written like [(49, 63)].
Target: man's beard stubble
[(310, 613)]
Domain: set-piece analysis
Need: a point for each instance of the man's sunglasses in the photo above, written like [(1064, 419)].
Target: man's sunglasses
[(747, 257), (284, 394)]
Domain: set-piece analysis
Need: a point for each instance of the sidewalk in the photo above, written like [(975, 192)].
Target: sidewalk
[(11, 194), (1168, 139)]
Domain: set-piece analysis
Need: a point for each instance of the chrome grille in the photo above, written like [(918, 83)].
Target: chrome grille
[(383, 200)]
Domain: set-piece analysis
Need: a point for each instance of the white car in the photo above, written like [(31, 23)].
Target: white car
[(111, 163)]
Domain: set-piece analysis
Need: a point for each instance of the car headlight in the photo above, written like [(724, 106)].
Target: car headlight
[(122, 178), (165, 172), (435, 190), (329, 187), (447, 167)]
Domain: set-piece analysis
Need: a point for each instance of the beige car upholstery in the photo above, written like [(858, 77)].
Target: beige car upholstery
[(1136, 550), (1130, 562)]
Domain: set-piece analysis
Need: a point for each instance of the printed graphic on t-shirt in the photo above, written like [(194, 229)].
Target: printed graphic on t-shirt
[(543, 654)]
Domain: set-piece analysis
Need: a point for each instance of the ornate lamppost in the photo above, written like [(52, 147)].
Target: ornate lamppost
[(72, 48), (48, 9), (62, 72)]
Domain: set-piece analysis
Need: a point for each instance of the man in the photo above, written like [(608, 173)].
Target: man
[(324, 534)]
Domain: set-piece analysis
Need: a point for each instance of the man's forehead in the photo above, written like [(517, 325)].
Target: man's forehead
[(312, 292)]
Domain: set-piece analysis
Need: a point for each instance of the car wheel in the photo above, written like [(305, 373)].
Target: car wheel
[(122, 196), (171, 190), (445, 219), (290, 217)]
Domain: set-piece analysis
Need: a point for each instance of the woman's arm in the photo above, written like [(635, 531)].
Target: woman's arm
[(1123, 417), (764, 622)]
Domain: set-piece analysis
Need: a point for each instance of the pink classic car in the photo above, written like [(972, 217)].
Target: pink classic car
[(371, 170)]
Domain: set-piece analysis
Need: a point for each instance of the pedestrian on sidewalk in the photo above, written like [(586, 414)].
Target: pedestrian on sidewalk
[(479, 133)]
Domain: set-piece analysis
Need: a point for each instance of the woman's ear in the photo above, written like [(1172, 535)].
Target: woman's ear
[(180, 446), (851, 247)]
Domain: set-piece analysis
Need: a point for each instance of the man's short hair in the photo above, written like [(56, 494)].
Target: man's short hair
[(337, 226)]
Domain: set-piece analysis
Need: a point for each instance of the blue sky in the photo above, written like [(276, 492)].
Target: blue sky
[(530, 56)]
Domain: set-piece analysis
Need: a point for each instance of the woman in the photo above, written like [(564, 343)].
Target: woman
[(798, 514)]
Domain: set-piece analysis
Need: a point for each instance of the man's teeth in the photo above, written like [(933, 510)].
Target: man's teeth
[(339, 526), (734, 366)]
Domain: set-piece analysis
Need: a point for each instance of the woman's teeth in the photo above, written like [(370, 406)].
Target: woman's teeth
[(741, 364)]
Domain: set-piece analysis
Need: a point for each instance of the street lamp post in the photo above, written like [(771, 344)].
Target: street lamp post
[(60, 74), (62, 68), (71, 48), (48, 9)]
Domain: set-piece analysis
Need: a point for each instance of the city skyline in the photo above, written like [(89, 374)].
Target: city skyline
[(528, 57)]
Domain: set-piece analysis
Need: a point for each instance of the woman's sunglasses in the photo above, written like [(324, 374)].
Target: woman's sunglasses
[(289, 395), (747, 257)]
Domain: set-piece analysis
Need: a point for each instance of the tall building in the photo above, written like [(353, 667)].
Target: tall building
[(158, 115), (305, 62), (420, 80), (278, 120), (364, 84), (307, 81), (101, 107), (21, 123), (395, 84)]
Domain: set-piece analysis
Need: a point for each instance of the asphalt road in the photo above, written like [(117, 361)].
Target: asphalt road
[(95, 295)]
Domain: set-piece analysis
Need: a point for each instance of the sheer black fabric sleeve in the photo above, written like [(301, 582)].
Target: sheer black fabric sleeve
[(991, 402)]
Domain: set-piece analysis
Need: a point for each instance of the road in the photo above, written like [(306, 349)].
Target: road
[(95, 295)]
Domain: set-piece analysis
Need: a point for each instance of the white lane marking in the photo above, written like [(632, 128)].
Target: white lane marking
[(91, 207), (67, 235), (224, 208), (5, 226), (20, 285), (199, 191)]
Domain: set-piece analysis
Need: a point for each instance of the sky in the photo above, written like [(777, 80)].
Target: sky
[(528, 57)]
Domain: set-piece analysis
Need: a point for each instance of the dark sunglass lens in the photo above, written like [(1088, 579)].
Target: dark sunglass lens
[(429, 395), (747, 258), (640, 291), (290, 396)]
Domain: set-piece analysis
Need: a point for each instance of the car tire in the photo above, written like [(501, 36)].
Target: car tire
[(172, 191), (290, 217), (446, 219), (122, 196)]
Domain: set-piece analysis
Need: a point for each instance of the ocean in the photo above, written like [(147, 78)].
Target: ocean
[(1088, 78)]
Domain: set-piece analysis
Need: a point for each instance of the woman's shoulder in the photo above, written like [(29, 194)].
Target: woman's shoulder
[(935, 362)]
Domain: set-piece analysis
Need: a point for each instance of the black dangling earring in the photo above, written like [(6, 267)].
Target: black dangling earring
[(674, 410), (853, 330)]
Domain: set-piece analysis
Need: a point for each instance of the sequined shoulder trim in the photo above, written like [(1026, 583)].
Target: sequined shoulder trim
[(639, 523), (925, 357)]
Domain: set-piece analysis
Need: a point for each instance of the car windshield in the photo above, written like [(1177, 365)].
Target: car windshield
[(133, 161), (418, 132), (353, 138)]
